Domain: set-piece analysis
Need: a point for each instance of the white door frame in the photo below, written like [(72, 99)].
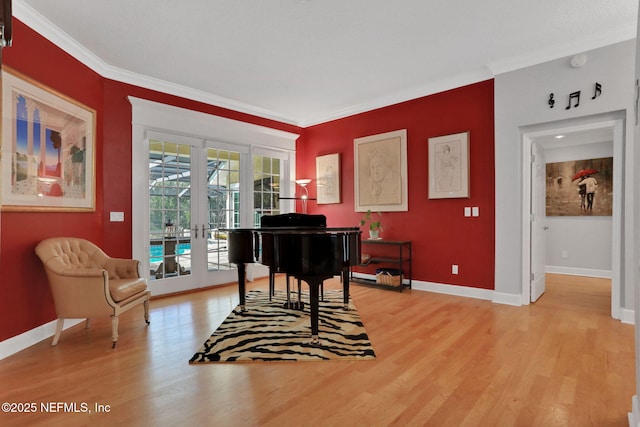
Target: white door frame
[(149, 116), (608, 120)]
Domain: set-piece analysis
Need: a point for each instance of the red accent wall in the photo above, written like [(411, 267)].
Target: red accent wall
[(440, 233), (25, 299)]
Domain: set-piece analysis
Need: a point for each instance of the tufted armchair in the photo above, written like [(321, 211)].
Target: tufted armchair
[(86, 282)]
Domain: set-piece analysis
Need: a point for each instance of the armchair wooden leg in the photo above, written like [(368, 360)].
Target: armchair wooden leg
[(114, 330), (87, 323), (146, 311), (59, 326)]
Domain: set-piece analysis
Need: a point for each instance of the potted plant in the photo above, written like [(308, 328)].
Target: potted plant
[(375, 226)]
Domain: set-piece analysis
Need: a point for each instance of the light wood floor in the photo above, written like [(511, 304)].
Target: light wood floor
[(441, 361)]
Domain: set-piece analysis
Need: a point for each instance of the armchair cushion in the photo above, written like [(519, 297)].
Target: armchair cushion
[(121, 289)]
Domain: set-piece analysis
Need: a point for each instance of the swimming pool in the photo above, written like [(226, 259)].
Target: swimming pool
[(156, 251)]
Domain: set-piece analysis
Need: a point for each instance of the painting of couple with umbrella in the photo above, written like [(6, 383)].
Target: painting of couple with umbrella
[(580, 187)]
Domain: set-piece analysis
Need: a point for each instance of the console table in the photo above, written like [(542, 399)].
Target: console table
[(396, 253)]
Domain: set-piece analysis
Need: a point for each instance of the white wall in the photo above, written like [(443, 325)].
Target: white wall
[(579, 245), (521, 100), (634, 416)]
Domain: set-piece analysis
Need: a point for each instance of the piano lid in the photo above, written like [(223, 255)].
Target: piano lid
[(293, 220)]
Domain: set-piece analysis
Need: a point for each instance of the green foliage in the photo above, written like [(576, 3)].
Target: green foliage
[(373, 225)]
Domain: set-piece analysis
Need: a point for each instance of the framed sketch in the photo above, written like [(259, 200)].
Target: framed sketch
[(328, 178), (449, 166), (48, 149), (380, 172)]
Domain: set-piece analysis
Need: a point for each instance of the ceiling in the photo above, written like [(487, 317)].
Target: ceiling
[(310, 61)]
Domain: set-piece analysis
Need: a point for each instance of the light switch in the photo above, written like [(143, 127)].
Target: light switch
[(467, 211), (475, 211), (116, 216)]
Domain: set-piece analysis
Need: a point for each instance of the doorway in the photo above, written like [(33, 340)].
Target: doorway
[(194, 193), (536, 138), (193, 176)]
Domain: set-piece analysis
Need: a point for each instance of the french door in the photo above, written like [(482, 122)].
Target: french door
[(198, 188), (537, 222)]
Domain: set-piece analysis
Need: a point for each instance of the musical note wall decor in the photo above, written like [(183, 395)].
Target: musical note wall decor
[(598, 91), (573, 95)]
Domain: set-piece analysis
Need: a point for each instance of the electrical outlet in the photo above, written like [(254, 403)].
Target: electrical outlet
[(454, 269), (565, 254)]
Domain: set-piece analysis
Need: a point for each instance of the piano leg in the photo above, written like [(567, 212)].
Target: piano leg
[(314, 293), (345, 288), (242, 274), (272, 283)]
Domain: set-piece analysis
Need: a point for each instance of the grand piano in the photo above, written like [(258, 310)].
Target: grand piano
[(296, 245)]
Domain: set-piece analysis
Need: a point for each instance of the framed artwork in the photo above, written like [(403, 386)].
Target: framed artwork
[(48, 149), (380, 172), (449, 166), (580, 187), (328, 178)]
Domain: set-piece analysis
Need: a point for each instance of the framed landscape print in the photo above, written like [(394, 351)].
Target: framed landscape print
[(328, 178), (48, 149), (449, 166), (380, 171)]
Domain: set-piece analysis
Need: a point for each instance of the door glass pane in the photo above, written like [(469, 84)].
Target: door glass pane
[(266, 187), (169, 209), (223, 189)]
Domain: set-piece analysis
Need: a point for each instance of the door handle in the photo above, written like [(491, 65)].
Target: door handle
[(545, 227)]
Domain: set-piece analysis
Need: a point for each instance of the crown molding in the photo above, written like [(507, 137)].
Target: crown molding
[(431, 88), (40, 24), (54, 34), (163, 86)]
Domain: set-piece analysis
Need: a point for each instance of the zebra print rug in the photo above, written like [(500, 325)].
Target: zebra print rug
[(269, 332)]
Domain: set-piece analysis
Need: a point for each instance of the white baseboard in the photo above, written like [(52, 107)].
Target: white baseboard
[(507, 299), (18, 343), (628, 316), (461, 291), (572, 271), (634, 415)]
